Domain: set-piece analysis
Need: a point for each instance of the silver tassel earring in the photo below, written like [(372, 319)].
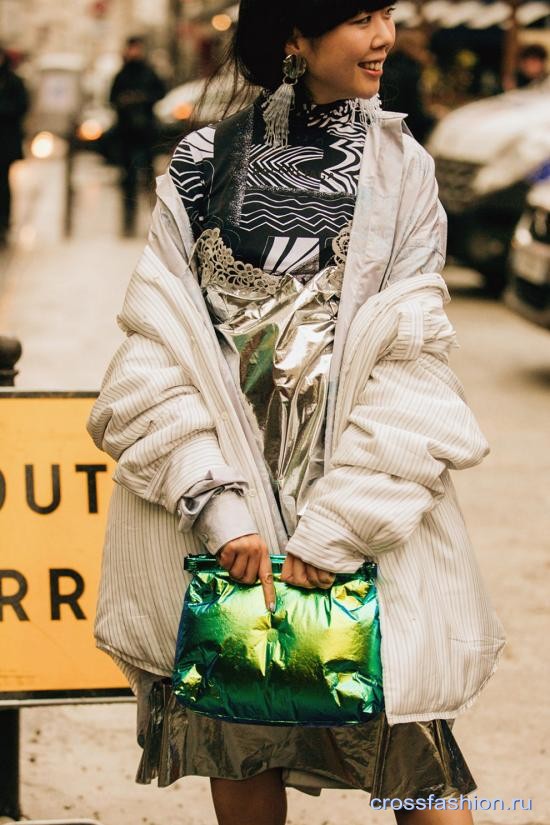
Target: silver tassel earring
[(277, 111)]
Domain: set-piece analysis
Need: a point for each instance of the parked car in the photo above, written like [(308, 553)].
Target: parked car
[(179, 106), (487, 155), (528, 292), (95, 130), (96, 119)]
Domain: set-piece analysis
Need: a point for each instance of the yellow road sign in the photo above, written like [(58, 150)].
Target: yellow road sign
[(54, 493)]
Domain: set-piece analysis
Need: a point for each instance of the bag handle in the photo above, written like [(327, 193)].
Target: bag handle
[(205, 563)]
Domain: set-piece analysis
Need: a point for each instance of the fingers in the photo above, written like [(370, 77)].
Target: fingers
[(300, 576), (288, 566), (251, 573), (266, 579), (297, 572), (247, 559), (242, 556), (239, 566), (320, 578), (226, 557), (234, 556)]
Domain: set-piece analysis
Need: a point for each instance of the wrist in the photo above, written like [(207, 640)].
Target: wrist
[(224, 519)]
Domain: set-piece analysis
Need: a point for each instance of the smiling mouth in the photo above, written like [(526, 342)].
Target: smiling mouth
[(372, 66)]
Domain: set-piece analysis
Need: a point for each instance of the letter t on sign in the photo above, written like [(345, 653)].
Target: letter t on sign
[(91, 471)]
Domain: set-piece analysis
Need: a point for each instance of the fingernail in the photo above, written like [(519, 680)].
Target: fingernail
[(272, 607)]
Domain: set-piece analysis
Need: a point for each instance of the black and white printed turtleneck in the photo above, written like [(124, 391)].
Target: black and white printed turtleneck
[(277, 208)]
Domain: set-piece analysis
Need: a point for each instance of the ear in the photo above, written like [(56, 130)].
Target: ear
[(295, 43)]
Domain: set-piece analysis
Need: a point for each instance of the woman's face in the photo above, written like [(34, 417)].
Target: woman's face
[(337, 61)]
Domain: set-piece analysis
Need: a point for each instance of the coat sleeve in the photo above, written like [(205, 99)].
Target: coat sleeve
[(421, 244), (410, 424), (153, 421)]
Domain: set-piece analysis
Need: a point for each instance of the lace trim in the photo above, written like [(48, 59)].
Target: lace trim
[(219, 267), (340, 246)]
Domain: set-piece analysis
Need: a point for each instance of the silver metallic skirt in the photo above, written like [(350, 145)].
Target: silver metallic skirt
[(413, 760)]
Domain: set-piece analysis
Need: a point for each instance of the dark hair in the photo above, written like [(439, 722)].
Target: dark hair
[(135, 40), (533, 50), (263, 29), (254, 57)]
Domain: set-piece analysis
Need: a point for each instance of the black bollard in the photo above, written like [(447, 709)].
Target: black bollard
[(10, 352), (9, 763)]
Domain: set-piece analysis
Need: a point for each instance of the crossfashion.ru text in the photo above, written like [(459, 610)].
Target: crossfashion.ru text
[(460, 803)]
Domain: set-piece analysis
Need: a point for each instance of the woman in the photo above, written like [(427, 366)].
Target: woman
[(284, 387), (14, 103)]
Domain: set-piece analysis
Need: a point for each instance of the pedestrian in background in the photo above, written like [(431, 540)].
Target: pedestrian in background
[(532, 65), (14, 103), (401, 89), (135, 90), (238, 378)]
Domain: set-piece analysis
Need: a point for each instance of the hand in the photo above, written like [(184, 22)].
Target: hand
[(297, 572), (246, 559)]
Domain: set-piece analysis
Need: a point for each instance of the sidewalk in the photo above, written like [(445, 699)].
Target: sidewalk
[(61, 302), (60, 297)]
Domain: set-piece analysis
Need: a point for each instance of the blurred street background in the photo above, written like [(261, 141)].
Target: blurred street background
[(473, 77)]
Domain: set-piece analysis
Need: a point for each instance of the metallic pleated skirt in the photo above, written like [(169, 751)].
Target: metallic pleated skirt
[(409, 760)]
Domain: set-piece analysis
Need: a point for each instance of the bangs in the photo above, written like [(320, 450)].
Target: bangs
[(316, 17)]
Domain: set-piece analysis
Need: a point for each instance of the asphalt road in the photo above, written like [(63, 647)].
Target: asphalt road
[(61, 299)]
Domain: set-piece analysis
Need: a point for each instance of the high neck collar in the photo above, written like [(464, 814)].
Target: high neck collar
[(324, 113), (310, 113)]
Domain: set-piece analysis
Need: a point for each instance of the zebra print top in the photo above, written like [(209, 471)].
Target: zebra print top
[(278, 209)]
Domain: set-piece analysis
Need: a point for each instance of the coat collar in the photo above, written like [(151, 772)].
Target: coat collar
[(371, 239)]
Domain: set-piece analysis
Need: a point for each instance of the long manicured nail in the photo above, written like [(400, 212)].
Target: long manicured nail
[(272, 607)]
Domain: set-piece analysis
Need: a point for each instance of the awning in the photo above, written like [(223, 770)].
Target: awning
[(476, 14), (447, 14)]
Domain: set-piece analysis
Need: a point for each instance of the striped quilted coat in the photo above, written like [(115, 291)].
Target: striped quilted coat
[(170, 414)]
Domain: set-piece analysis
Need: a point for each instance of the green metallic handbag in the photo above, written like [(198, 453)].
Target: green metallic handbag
[(314, 661)]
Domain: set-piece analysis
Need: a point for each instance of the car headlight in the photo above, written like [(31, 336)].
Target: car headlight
[(90, 130), (182, 111)]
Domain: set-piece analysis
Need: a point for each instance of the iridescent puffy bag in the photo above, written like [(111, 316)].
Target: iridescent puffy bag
[(314, 661)]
